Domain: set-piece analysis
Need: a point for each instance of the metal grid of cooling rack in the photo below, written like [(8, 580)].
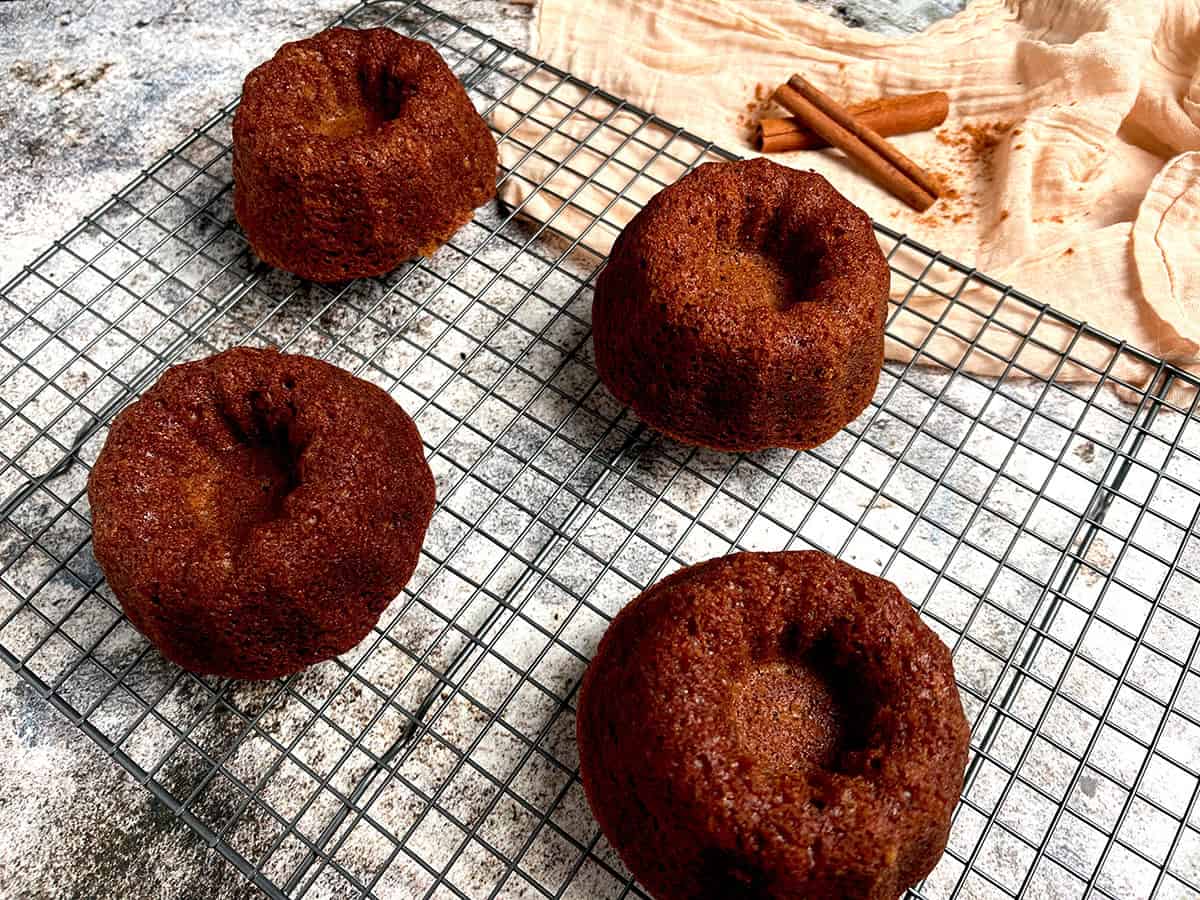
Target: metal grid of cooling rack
[(1045, 528)]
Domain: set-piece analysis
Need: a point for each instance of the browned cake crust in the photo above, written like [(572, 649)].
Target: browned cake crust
[(255, 512), (354, 151), (744, 308), (773, 725)]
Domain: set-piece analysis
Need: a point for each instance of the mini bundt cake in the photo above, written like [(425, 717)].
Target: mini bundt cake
[(773, 726), (743, 309), (255, 512), (354, 151)]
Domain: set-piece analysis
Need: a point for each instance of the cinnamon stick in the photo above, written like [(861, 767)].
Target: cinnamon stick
[(887, 165), (887, 115)]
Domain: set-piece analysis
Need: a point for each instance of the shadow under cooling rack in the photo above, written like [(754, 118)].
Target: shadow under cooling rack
[(1032, 485)]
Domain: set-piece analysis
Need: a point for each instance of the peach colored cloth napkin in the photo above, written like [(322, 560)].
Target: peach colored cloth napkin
[(1066, 155)]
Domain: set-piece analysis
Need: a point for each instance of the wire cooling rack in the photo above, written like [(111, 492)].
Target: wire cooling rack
[(1044, 525)]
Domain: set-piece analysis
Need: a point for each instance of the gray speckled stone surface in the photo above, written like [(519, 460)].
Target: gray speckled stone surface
[(97, 92)]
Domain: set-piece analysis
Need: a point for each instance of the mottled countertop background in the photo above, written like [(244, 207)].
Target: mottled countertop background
[(94, 92)]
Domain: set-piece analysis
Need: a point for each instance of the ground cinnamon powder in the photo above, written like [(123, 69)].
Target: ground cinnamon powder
[(974, 147), (749, 119)]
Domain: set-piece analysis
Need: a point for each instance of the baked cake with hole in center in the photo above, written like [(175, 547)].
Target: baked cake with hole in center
[(255, 512), (354, 151), (743, 309), (771, 726)]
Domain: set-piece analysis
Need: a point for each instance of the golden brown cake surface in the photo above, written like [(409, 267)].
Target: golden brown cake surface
[(255, 512), (773, 725), (744, 308), (354, 151)]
